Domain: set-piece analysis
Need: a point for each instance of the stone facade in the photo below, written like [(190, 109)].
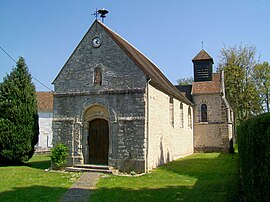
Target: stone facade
[(216, 133), (213, 116), (113, 81)]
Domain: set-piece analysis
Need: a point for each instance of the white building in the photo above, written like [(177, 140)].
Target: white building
[(45, 113)]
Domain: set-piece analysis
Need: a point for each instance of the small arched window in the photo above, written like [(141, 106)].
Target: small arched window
[(181, 116), (97, 77), (203, 113)]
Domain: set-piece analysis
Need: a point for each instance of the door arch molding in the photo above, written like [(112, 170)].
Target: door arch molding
[(96, 111)]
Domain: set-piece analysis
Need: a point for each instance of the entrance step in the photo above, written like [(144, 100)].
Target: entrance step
[(90, 168)]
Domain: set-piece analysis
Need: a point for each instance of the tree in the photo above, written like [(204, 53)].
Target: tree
[(18, 116), (238, 64), (185, 81), (261, 75)]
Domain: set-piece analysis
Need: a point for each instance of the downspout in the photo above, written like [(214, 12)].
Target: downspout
[(147, 123)]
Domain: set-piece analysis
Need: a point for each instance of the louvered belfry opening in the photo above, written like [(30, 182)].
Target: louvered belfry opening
[(203, 66)]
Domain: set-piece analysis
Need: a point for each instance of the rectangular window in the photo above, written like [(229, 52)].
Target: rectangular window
[(189, 118), (181, 116), (171, 112)]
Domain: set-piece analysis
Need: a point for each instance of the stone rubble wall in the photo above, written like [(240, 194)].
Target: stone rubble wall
[(215, 134), (127, 137)]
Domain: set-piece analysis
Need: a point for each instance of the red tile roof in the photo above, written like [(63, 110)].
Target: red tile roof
[(203, 55), (45, 101), (205, 87)]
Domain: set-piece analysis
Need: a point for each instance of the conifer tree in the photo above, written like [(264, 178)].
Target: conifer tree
[(18, 116)]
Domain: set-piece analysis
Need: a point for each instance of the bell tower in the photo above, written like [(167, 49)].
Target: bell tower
[(203, 66)]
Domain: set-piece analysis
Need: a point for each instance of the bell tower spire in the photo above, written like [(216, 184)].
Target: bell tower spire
[(203, 66)]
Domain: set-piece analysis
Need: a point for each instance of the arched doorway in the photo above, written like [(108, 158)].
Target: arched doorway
[(98, 141)]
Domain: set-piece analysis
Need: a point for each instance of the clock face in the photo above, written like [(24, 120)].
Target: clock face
[(96, 42)]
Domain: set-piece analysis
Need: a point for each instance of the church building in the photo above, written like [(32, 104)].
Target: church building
[(113, 106), (213, 116)]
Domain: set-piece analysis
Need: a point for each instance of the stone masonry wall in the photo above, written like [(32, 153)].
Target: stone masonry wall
[(212, 135), (121, 93), (119, 72), (167, 142), (126, 138)]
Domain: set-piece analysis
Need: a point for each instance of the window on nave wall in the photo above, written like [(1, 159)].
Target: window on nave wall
[(181, 116), (171, 111), (203, 113), (189, 118)]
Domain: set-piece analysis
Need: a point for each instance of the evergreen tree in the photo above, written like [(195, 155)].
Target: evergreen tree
[(18, 116)]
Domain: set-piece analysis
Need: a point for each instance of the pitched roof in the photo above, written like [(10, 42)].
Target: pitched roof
[(203, 55), (45, 101), (185, 90), (206, 87), (148, 67)]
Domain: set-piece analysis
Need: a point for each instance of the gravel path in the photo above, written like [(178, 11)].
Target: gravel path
[(82, 188)]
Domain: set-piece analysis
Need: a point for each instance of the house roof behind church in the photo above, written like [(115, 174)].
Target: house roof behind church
[(45, 101), (203, 55), (185, 90), (206, 87), (149, 68)]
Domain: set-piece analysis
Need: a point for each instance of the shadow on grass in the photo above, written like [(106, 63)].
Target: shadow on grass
[(169, 193), (39, 164), (42, 165), (217, 180), (33, 193), (201, 167)]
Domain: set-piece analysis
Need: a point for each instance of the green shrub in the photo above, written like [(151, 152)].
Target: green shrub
[(254, 157), (59, 154)]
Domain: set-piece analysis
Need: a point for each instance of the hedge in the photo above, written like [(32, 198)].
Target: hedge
[(254, 156)]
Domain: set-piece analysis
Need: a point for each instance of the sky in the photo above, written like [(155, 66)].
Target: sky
[(169, 32)]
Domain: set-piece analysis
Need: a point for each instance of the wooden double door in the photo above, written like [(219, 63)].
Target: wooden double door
[(98, 142)]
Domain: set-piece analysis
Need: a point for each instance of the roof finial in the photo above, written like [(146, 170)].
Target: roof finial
[(202, 45), (103, 13)]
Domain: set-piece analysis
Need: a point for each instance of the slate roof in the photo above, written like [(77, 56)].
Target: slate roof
[(206, 87), (203, 55), (148, 67), (185, 90), (45, 101)]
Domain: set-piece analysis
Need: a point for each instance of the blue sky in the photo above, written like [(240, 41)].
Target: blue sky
[(169, 32)]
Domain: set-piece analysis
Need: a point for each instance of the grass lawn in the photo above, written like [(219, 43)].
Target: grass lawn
[(31, 183), (199, 177)]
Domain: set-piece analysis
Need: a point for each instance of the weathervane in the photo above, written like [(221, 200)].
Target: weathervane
[(101, 13), (95, 14)]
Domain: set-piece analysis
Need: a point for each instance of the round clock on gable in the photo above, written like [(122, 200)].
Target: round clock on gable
[(96, 42)]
